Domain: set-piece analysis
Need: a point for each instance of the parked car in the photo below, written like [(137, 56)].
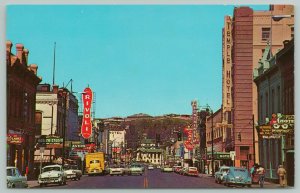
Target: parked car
[(176, 169), (191, 171), (136, 169), (150, 167), (15, 179), (237, 176), (182, 170), (116, 170), (167, 168), (219, 175), (158, 166), (52, 174), (73, 172)]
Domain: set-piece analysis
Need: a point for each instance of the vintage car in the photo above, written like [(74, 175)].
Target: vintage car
[(237, 176), (15, 179), (167, 168), (191, 171), (150, 167), (52, 174), (219, 175), (73, 172), (176, 169), (116, 170), (135, 169)]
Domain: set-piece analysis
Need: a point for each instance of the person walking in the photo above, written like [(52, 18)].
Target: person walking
[(261, 172), (281, 172)]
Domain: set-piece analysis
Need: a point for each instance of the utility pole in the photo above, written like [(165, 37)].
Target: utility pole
[(64, 94), (212, 144)]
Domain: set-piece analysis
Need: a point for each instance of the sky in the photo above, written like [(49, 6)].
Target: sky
[(152, 59)]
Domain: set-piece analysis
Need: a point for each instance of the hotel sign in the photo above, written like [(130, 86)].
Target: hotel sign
[(86, 128), (227, 64)]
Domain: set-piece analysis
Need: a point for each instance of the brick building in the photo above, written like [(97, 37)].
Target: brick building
[(22, 81)]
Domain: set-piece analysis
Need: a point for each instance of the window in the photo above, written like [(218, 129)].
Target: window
[(267, 105), (278, 99), (265, 33), (273, 101)]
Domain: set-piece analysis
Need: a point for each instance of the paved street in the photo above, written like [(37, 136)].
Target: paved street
[(151, 179)]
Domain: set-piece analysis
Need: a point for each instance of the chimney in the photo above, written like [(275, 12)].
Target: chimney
[(26, 52), (55, 89), (19, 54), (33, 68), (8, 46)]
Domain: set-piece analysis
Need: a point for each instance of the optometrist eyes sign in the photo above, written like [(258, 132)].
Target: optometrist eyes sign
[(86, 128)]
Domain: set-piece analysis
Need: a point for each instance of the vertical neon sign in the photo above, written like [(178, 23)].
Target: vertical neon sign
[(86, 128)]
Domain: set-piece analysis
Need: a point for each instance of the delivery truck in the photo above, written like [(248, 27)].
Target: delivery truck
[(94, 163)]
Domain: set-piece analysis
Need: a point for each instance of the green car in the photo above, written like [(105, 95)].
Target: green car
[(15, 179)]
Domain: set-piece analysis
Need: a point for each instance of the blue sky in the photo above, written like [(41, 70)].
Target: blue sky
[(152, 59)]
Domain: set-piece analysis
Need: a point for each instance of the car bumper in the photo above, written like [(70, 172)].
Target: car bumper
[(48, 181), (70, 176)]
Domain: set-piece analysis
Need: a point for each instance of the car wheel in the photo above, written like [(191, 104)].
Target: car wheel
[(65, 182), (78, 178)]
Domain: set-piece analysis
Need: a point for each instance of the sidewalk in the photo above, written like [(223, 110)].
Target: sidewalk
[(33, 183)]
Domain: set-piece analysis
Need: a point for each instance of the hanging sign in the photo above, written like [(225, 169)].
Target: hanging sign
[(14, 139), (86, 128)]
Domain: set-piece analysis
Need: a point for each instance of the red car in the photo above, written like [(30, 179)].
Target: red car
[(191, 171)]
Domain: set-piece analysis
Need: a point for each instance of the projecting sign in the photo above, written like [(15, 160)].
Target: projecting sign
[(86, 128), (14, 139)]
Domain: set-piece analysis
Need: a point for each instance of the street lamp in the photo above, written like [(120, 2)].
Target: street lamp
[(208, 109)]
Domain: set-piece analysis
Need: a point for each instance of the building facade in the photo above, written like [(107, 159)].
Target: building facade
[(274, 78), (245, 37), (22, 81), (148, 152)]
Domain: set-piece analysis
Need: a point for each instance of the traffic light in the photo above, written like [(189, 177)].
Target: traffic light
[(179, 136)]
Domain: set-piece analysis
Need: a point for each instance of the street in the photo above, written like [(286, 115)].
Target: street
[(150, 179)]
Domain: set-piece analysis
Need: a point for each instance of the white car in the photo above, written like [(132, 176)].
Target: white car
[(150, 167), (73, 172), (15, 179), (52, 174), (116, 170), (167, 168)]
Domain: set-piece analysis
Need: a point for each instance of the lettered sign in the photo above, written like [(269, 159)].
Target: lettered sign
[(86, 128)]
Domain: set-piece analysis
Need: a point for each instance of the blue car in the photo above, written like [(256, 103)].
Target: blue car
[(238, 177)]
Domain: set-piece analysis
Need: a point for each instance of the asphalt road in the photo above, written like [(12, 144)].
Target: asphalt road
[(150, 179)]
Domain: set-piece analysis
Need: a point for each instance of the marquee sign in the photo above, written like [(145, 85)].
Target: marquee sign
[(86, 128), (278, 126)]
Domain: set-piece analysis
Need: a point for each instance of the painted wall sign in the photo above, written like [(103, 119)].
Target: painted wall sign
[(14, 139), (86, 128), (188, 144)]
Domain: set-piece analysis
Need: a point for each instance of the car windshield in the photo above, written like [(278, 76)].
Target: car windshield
[(94, 161), (240, 172), (225, 170), (192, 168), (47, 169), (12, 172), (136, 166)]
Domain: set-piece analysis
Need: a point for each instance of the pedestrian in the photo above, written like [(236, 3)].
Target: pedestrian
[(261, 172), (281, 172), (252, 170)]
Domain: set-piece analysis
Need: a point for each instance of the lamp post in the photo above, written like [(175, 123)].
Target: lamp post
[(208, 109), (64, 94)]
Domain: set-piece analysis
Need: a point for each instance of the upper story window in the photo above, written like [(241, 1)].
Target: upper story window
[(265, 33)]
